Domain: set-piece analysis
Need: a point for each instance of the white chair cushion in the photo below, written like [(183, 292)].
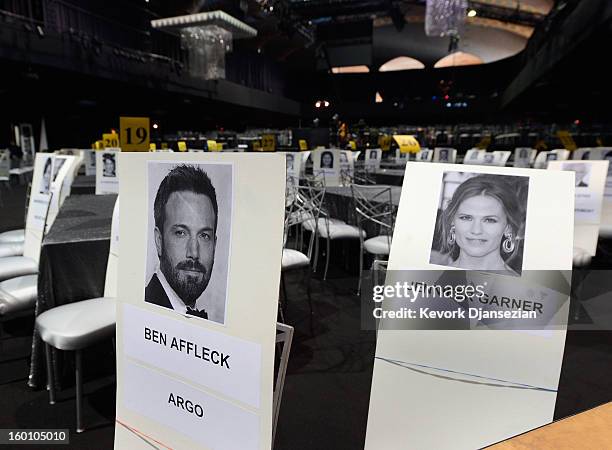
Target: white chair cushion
[(16, 266), (340, 231), (581, 257), (18, 294), (293, 259), (11, 249), (13, 236), (77, 325), (378, 245)]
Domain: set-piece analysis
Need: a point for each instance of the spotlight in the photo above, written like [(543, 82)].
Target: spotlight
[(155, 126), (472, 13), (326, 103), (318, 104)]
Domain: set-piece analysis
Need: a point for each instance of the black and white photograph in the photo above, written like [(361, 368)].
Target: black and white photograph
[(551, 157), (489, 158), (289, 162), (373, 154), (327, 160), (109, 165), (58, 163), (188, 244), (45, 180), (344, 162), (443, 156), (524, 153), (582, 171), (608, 156), (480, 224)]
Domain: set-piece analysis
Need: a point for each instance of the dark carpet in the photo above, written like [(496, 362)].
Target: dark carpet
[(326, 395)]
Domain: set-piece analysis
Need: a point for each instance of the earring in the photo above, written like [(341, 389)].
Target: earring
[(508, 244), (451, 237)]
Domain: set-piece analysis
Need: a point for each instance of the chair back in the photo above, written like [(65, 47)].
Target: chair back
[(110, 284), (374, 204), (305, 207)]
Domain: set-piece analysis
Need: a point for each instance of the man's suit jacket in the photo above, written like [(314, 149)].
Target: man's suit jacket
[(154, 293)]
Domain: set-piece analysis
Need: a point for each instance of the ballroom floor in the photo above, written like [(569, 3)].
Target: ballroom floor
[(325, 401)]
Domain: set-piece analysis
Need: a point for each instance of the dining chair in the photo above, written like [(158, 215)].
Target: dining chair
[(78, 325), (374, 209)]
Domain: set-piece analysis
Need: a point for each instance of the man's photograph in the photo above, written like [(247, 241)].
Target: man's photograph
[(190, 211)]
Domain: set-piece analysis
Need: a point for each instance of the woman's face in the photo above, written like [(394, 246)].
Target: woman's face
[(480, 223), (326, 160)]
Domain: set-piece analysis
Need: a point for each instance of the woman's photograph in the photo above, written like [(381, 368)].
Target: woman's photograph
[(481, 222), (327, 160), (45, 184)]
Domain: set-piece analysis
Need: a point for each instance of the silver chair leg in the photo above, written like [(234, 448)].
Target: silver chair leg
[(79, 390), (327, 259), (360, 266), (50, 380)]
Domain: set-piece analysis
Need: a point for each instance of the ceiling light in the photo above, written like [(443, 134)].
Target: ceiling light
[(472, 13)]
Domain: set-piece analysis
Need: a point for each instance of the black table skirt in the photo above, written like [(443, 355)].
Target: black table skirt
[(72, 264)]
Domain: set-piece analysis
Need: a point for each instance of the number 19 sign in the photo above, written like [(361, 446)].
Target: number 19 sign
[(134, 134)]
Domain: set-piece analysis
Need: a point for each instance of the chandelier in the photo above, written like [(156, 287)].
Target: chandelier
[(206, 38), (445, 17)]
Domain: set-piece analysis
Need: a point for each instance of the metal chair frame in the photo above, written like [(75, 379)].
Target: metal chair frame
[(375, 208)]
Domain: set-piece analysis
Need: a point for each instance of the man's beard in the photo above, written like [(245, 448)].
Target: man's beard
[(187, 287)]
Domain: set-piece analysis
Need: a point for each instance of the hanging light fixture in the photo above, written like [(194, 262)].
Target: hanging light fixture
[(207, 37), (445, 17)]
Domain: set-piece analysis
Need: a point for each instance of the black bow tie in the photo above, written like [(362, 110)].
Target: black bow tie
[(194, 312)]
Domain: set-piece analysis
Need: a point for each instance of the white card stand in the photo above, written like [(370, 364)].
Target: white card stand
[(327, 162), (347, 167), (5, 165), (64, 172), (425, 403), (293, 161), (107, 171), (445, 155), (582, 153), (238, 399), (544, 158), (590, 184), (90, 162), (356, 155), (304, 159), (601, 153), (401, 158), (474, 156), (524, 156), (425, 155), (372, 160)]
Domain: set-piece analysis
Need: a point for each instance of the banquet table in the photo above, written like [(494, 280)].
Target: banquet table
[(394, 177), (72, 263), (339, 201)]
